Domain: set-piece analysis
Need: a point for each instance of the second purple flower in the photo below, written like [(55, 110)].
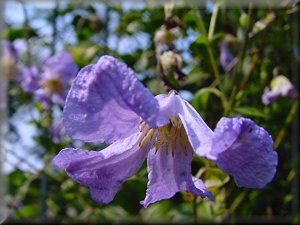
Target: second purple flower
[(52, 84)]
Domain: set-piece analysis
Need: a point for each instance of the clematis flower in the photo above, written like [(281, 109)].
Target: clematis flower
[(280, 86), (107, 103), (50, 86)]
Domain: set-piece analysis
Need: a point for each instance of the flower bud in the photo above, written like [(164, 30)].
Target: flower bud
[(170, 60), (244, 20), (164, 36)]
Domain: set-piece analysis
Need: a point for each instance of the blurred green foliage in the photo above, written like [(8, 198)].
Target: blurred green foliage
[(263, 43)]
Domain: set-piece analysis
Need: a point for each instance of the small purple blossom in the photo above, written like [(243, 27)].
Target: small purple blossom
[(51, 85), (280, 86), (107, 103), (226, 57)]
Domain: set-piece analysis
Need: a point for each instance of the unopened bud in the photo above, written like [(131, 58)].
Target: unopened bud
[(164, 36), (244, 20), (169, 8), (170, 60)]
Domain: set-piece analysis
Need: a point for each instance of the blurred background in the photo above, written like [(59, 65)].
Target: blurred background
[(226, 59)]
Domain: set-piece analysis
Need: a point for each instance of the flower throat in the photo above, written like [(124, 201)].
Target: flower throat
[(165, 137)]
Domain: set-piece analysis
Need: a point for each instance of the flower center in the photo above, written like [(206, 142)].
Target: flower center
[(52, 86), (165, 137)]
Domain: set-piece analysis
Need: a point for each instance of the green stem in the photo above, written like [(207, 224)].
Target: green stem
[(213, 21), (239, 71), (195, 213), (287, 122), (238, 200), (201, 27), (214, 65), (217, 93), (54, 27), (26, 32)]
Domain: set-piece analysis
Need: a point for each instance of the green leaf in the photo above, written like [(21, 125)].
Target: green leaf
[(12, 34), (216, 178), (204, 209), (202, 39), (200, 100), (29, 212), (196, 76), (114, 213), (157, 212), (217, 36), (201, 97), (251, 111)]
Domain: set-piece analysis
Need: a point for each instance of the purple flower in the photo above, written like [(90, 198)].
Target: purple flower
[(107, 103), (50, 86), (280, 85), (60, 67)]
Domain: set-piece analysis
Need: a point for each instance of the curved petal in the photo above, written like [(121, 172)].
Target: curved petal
[(199, 134), (169, 174), (269, 96), (245, 151), (106, 101), (168, 107), (104, 171)]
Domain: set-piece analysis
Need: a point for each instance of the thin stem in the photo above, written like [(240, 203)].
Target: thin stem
[(245, 44), (26, 32), (287, 122), (195, 213), (217, 93), (54, 27), (201, 27), (214, 65), (239, 71), (213, 21)]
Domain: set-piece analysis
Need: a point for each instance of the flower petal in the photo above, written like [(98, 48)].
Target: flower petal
[(104, 171), (106, 101), (30, 79), (269, 96), (169, 174), (199, 134), (280, 85), (245, 151), (168, 107)]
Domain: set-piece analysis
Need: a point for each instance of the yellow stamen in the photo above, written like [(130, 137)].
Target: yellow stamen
[(165, 137), (147, 138), (52, 85)]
